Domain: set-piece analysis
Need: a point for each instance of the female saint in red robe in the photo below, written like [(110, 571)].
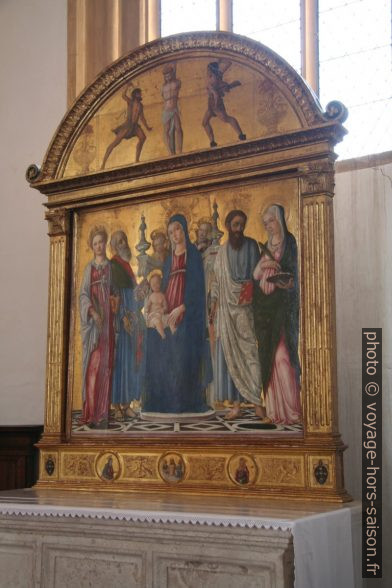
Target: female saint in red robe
[(97, 304)]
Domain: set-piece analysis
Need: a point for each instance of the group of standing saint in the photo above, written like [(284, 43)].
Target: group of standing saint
[(112, 331), (171, 119), (255, 313), (221, 317)]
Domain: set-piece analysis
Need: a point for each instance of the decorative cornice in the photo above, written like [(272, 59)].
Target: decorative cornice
[(331, 132), (318, 178), (336, 111), (32, 173), (151, 54), (145, 516), (58, 221), (209, 516)]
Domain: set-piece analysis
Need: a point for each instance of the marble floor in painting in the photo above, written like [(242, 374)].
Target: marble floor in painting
[(247, 423)]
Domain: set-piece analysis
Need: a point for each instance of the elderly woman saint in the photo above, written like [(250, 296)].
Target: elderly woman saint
[(276, 314), (178, 367)]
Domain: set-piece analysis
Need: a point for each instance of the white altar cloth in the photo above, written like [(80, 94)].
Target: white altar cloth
[(322, 533)]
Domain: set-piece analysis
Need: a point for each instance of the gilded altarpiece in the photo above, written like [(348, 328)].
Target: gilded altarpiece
[(191, 329)]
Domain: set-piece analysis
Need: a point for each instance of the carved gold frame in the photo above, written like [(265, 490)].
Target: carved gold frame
[(310, 467)]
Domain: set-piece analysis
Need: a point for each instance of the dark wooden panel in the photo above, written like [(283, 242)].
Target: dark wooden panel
[(18, 456)]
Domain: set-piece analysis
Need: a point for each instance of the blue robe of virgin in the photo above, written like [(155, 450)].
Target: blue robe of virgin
[(178, 368)]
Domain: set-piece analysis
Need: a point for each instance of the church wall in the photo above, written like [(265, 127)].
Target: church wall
[(33, 101), (363, 245)]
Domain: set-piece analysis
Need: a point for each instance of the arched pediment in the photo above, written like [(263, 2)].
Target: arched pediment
[(254, 95)]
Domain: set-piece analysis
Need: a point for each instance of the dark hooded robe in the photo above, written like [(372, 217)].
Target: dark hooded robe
[(277, 314)]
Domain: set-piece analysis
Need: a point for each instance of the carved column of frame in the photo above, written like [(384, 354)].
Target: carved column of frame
[(59, 227), (319, 367)]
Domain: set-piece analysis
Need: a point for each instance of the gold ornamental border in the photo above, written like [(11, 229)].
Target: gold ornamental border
[(317, 478)]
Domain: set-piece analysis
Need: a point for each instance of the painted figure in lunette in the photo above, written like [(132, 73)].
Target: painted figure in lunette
[(237, 375), (216, 89), (98, 304), (131, 127), (172, 129), (128, 360), (276, 312)]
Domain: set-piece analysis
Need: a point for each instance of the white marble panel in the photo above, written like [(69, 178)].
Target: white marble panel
[(195, 573), (85, 566), (17, 564)]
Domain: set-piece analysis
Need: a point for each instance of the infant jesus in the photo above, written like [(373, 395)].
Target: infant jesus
[(156, 307)]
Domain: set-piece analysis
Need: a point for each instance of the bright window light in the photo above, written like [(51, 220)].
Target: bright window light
[(275, 23), (181, 16)]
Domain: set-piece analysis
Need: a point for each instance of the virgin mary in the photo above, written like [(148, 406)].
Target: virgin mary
[(178, 367)]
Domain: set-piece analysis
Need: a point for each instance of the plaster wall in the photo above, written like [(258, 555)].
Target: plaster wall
[(33, 73), (363, 245)]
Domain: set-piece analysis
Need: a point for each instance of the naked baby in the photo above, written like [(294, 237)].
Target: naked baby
[(156, 306)]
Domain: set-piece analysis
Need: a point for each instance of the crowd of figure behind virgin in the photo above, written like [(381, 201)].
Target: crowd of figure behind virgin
[(207, 326)]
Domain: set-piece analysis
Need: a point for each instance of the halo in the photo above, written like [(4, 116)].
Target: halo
[(154, 272), (96, 230), (158, 231)]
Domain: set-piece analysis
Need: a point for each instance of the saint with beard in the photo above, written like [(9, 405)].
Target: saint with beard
[(237, 367), (128, 359)]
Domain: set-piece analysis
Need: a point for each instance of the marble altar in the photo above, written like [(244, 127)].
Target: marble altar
[(63, 539)]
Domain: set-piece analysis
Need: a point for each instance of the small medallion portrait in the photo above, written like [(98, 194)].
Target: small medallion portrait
[(242, 470), (108, 467), (172, 468)]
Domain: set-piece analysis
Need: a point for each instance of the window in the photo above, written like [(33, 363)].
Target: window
[(355, 68), (275, 23), (354, 45), (180, 16)]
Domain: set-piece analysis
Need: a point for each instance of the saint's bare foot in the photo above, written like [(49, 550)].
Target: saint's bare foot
[(233, 413), (129, 412), (262, 414)]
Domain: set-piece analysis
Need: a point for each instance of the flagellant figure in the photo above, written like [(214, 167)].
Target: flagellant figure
[(217, 88), (131, 127)]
